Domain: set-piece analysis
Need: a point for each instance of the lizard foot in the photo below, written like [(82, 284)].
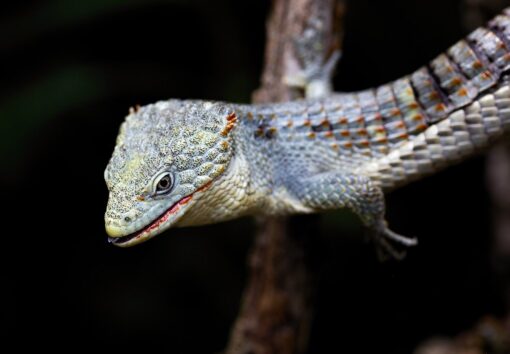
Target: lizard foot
[(315, 78), (330, 190), (386, 241)]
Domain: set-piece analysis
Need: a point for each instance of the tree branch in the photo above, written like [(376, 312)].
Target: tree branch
[(276, 308)]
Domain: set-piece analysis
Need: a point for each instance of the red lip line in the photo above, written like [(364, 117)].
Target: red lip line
[(166, 215), (173, 209), (136, 235)]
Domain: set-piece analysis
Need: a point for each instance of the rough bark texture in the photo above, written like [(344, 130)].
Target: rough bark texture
[(276, 307)]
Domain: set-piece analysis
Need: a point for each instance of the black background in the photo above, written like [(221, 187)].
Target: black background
[(69, 72)]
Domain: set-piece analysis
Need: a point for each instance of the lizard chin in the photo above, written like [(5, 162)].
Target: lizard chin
[(161, 223)]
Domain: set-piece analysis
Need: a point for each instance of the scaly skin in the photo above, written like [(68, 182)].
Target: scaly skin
[(185, 163)]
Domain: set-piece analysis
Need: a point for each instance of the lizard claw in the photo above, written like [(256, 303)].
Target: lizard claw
[(386, 239), (403, 240)]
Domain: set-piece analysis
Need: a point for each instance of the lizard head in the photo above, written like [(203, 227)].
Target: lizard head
[(167, 154)]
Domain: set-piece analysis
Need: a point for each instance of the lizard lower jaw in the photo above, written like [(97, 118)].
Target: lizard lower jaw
[(154, 228)]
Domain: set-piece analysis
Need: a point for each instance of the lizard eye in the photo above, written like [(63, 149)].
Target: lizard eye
[(164, 184)]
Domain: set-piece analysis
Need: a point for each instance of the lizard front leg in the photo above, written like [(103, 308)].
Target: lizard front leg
[(336, 190)]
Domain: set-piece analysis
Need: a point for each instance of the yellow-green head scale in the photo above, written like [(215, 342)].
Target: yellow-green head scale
[(166, 155)]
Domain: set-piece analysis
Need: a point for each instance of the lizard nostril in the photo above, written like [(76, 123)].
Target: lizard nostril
[(127, 219)]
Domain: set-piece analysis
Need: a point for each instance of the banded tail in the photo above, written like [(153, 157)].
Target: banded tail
[(413, 126), (463, 102)]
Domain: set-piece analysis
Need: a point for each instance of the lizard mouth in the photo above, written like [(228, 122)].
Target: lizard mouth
[(153, 226)]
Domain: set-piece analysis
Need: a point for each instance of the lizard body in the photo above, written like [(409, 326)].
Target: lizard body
[(184, 163)]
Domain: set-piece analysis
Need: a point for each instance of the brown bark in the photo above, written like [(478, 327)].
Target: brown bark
[(276, 307)]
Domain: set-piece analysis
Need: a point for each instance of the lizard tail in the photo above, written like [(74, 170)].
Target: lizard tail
[(464, 132), (447, 110)]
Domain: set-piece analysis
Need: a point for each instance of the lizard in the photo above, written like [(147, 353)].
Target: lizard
[(180, 163)]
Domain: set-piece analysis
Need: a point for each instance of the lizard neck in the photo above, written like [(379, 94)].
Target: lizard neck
[(234, 194), (267, 160)]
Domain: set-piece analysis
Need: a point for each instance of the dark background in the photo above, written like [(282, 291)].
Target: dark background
[(71, 69)]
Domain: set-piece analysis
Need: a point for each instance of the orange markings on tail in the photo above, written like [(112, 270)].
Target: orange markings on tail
[(486, 75), (440, 107), (400, 125), (380, 140), (362, 132), (462, 92), (417, 117), (395, 112), (434, 95), (413, 105), (456, 81), (477, 64), (342, 120), (401, 136), (421, 127)]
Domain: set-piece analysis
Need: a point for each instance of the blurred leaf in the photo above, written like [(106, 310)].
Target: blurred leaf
[(26, 109), (57, 14)]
